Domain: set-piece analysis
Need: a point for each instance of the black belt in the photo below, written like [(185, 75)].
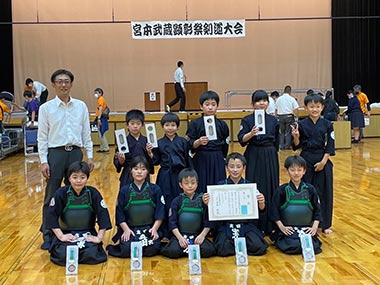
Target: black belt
[(67, 148)]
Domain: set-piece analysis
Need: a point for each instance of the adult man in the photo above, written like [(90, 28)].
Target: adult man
[(179, 86), (285, 107), (271, 110), (39, 89), (63, 129)]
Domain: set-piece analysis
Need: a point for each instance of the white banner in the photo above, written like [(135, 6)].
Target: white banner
[(188, 29)]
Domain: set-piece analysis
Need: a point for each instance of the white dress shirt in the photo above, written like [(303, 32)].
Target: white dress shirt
[(179, 77), (61, 124), (38, 87), (286, 104), (271, 106)]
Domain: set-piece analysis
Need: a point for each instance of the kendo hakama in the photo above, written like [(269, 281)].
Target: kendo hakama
[(139, 209), (262, 167), (77, 214), (190, 217)]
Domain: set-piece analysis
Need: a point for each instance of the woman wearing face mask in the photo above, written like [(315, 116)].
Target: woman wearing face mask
[(101, 120), (355, 115)]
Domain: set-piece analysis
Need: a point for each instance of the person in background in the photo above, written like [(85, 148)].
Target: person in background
[(101, 120), (63, 129), (331, 109), (40, 89), (364, 103), (271, 110), (180, 90), (286, 110), (355, 115), (3, 108)]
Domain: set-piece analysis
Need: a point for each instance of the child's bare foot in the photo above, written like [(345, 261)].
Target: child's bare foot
[(328, 231)]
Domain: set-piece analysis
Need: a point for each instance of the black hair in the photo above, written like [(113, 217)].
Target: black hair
[(187, 172), (357, 86), (135, 114), (288, 89), (309, 92), (61, 72), (259, 95), (315, 98), (328, 94), (79, 166), (28, 81), (170, 117), (350, 91), (139, 159), (99, 90), (209, 95), (179, 63), (236, 155), (295, 160), (274, 94), (28, 94)]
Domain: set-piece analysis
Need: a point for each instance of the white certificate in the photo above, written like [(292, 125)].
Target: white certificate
[(210, 127), (260, 121), (233, 202), (121, 140), (151, 134)]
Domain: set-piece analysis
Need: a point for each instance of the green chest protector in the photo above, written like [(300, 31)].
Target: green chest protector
[(297, 209), (140, 207), (78, 213), (190, 215)]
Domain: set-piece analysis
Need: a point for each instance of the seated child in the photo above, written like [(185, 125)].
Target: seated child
[(140, 210), (295, 206), (227, 231), (188, 219), (73, 211)]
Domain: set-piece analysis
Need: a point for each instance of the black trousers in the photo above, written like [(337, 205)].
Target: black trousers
[(180, 95), (44, 96)]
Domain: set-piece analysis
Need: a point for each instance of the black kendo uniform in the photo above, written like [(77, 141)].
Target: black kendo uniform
[(189, 216), (227, 231), (296, 208), (139, 209), (77, 214)]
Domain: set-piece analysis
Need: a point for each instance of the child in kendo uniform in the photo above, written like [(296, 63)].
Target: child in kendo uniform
[(73, 212), (140, 211), (295, 207), (227, 231), (188, 219)]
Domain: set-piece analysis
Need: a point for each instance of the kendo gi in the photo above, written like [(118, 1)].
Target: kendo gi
[(77, 214), (137, 147), (297, 208), (262, 167), (316, 139), (209, 159), (189, 216), (139, 209), (227, 231)]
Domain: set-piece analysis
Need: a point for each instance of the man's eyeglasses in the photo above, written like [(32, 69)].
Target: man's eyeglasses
[(61, 82)]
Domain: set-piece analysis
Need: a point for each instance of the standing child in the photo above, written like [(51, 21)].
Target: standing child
[(227, 231), (188, 219), (172, 155), (140, 210), (137, 144), (295, 206), (315, 136), (261, 154), (209, 155), (73, 212)]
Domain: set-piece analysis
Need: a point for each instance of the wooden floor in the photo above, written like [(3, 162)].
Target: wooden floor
[(350, 256)]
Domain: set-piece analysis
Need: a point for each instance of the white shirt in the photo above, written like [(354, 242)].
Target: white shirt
[(179, 77), (286, 104), (38, 87), (61, 124), (271, 106)]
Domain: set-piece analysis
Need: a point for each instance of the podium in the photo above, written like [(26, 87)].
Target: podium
[(193, 91), (152, 101)]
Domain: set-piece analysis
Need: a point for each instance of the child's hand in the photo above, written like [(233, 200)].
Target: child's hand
[(254, 131), (287, 230), (68, 238), (127, 235), (153, 233), (206, 198), (199, 239), (295, 132), (149, 149), (319, 166), (203, 140), (184, 243), (93, 239), (120, 157), (261, 200), (312, 231)]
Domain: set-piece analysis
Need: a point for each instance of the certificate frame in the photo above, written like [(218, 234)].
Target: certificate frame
[(233, 202)]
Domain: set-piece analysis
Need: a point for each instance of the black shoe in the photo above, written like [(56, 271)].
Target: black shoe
[(355, 141), (46, 245)]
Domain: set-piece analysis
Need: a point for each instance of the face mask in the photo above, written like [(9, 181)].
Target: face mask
[(96, 95)]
